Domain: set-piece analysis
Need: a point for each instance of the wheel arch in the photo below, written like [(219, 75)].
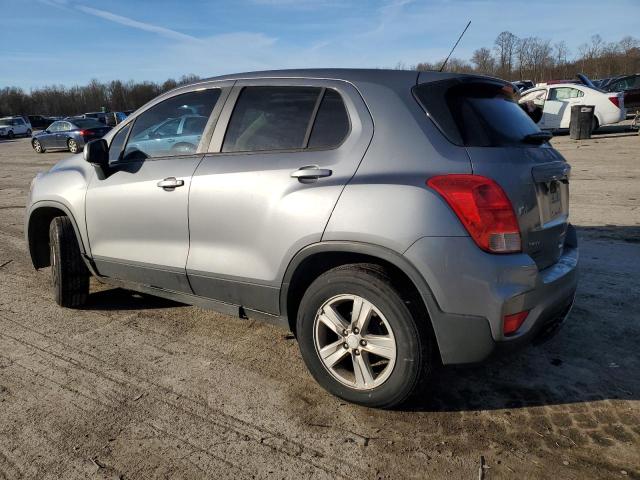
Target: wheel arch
[(37, 230), (318, 258)]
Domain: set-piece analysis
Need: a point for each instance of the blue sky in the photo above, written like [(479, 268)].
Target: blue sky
[(69, 42)]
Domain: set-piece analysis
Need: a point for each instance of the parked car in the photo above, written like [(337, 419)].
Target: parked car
[(40, 122), (629, 85), (99, 116), (523, 85), (14, 126), (440, 236), (114, 118), (556, 101), (69, 135)]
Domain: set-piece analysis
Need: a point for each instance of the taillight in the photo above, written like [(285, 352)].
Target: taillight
[(483, 208), (83, 133), (511, 323), (615, 100)]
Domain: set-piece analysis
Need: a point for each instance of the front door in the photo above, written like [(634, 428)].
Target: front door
[(286, 148), (137, 212)]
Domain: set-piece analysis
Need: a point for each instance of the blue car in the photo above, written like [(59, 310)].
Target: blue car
[(69, 135)]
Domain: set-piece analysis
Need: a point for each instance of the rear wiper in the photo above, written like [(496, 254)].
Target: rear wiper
[(537, 137)]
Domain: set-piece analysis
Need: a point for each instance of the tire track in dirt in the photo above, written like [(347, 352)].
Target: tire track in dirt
[(269, 438)]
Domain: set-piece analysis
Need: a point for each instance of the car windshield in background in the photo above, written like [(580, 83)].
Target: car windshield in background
[(88, 123), (476, 114)]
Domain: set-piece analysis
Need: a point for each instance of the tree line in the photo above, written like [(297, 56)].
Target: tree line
[(510, 57), (532, 58), (115, 96)]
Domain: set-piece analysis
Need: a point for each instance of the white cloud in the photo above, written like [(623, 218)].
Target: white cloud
[(129, 22)]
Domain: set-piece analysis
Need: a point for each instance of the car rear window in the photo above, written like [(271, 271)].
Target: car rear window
[(332, 122), (476, 114)]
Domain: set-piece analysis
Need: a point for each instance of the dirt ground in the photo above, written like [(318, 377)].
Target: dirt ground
[(134, 387)]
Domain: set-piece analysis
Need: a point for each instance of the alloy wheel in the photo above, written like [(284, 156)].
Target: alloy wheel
[(354, 342)]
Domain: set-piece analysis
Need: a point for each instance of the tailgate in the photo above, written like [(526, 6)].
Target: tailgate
[(536, 180)]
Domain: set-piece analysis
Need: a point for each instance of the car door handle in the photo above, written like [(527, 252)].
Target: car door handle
[(170, 182), (311, 172)]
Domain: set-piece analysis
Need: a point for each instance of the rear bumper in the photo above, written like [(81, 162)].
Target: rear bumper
[(473, 290)]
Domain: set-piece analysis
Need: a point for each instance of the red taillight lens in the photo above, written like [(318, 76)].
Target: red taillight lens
[(83, 133), (511, 323), (615, 100), (483, 208)]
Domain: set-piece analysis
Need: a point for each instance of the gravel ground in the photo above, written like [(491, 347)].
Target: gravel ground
[(136, 387)]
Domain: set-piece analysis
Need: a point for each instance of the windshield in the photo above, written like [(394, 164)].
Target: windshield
[(478, 114), (88, 123)]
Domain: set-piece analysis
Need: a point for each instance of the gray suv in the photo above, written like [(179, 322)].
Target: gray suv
[(393, 220)]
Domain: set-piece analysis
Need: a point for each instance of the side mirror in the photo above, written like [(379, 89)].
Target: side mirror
[(96, 152)]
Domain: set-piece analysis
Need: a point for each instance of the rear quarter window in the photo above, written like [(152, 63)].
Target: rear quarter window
[(476, 114)]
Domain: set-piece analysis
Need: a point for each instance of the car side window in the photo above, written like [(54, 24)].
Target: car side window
[(565, 93), (331, 124), (117, 142), (65, 127), (270, 118), (155, 131), (54, 127)]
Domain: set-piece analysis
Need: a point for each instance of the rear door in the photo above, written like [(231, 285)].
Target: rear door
[(493, 128), (137, 213), (281, 154)]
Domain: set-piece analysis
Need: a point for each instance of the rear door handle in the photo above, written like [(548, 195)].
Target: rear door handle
[(311, 172), (170, 182)]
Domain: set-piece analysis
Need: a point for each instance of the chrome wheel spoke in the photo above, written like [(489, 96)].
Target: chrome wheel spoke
[(381, 345), (333, 353), (362, 372), (333, 320), (360, 313)]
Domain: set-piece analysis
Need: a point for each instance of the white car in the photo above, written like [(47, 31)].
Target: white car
[(556, 101), (12, 126)]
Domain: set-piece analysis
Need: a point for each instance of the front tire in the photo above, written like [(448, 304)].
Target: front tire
[(72, 145), (361, 339), (37, 146), (69, 274), (10, 135)]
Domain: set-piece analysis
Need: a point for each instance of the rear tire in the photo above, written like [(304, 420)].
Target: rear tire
[(594, 125), (392, 328), (72, 145), (69, 274), (28, 134)]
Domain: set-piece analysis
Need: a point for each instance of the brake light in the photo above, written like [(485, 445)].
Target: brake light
[(511, 323), (615, 100), (483, 208), (83, 132)]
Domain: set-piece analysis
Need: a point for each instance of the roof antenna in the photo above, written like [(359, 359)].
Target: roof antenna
[(454, 47)]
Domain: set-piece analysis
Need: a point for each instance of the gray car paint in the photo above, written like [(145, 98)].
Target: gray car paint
[(250, 222)]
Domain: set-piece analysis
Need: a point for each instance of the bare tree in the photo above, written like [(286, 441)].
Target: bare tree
[(505, 46), (484, 61)]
